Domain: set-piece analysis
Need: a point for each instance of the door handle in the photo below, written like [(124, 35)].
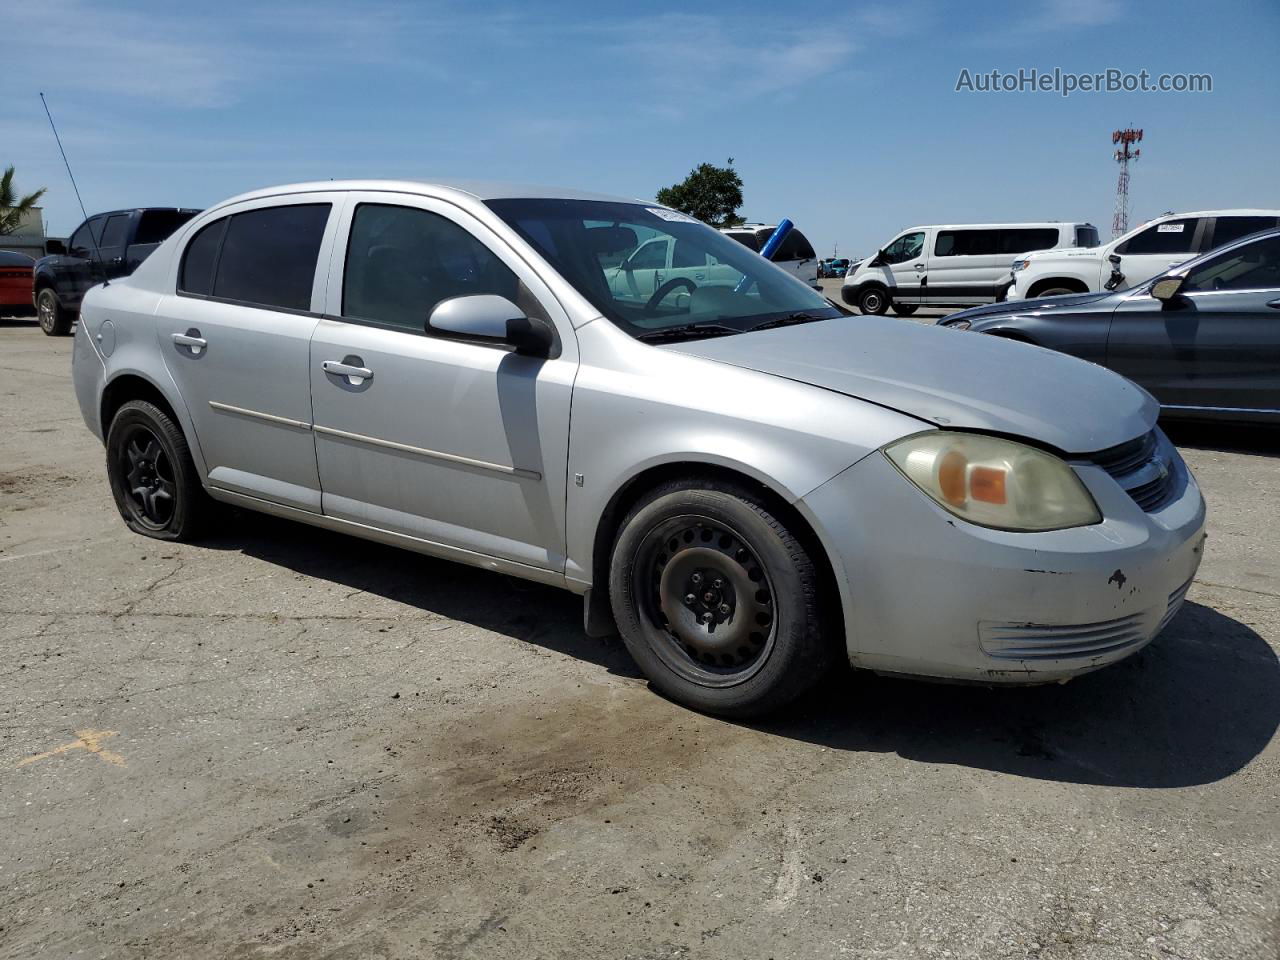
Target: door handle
[(193, 340), (919, 267), (1274, 304), (354, 375)]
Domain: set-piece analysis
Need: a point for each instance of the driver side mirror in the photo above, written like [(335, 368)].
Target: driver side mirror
[(1166, 289), (52, 247), (878, 260), (490, 319)]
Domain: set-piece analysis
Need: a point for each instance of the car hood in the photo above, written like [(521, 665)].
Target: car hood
[(1036, 305), (950, 378)]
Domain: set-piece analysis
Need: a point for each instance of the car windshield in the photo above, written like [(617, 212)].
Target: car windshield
[(649, 269)]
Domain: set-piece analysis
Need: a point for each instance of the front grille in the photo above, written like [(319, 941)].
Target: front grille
[(1033, 641), (1141, 469)]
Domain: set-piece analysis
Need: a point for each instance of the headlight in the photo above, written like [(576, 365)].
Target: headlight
[(993, 482), (958, 325), (1020, 265)]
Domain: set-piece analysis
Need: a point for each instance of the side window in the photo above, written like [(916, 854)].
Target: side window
[(1172, 236), (402, 261), (1233, 228), (687, 254), (116, 231), (651, 256), (156, 225), (269, 256), (1255, 266), (1026, 239), (1087, 236), (748, 240), (200, 259), (906, 247), (83, 240)]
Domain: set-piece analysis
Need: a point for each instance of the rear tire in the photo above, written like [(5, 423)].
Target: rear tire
[(54, 320), (873, 300), (717, 601), (1055, 292), (905, 309), (152, 475)]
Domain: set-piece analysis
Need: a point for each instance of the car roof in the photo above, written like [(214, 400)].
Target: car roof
[(112, 213), (472, 189), (998, 226)]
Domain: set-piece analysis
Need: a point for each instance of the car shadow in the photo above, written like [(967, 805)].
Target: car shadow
[(1194, 707), (1261, 439)]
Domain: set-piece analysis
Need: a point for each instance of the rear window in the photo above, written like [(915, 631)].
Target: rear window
[(156, 225), (1087, 236), (748, 240), (1233, 228), (795, 246)]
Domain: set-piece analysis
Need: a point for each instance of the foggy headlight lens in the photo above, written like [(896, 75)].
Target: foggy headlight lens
[(995, 483), (1020, 265)]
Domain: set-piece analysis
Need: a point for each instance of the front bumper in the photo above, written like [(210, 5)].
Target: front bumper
[(928, 594)]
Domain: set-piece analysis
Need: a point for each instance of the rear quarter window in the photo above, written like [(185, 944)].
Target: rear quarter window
[(268, 256)]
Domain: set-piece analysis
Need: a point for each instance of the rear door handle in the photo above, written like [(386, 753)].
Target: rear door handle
[(354, 375), (1274, 304), (193, 340)]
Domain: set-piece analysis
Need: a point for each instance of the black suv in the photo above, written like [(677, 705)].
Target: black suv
[(106, 246)]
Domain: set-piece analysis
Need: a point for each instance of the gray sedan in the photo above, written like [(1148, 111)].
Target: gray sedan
[(745, 484), (1203, 338)]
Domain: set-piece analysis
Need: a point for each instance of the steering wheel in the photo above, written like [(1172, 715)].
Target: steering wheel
[(664, 291)]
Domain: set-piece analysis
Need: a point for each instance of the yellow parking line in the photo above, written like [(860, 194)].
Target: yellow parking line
[(90, 740)]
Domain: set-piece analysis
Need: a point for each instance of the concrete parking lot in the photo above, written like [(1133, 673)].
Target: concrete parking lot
[(282, 742)]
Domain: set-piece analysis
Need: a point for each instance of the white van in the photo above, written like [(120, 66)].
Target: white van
[(953, 265), (796, 253), (1136, 257)]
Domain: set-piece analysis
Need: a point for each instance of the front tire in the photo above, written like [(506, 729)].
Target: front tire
[(54, 320), (152, 476), (717, 601), (1055, 292), (873, 300)]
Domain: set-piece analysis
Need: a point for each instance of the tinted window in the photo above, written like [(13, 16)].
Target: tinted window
[(155, 226), (81, 243), (269, 256), (1087, 236), (1027, 239), (401, 262), (1172, 236), (116, 232), (966, 243), (652, 256), (200, 258), (1251, 267), (746, 239), (906, 247), (1233, 228), (795, 246), (687, 254)]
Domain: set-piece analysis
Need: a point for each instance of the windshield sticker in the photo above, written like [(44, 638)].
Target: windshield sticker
[(673, 216), (1170, 228)]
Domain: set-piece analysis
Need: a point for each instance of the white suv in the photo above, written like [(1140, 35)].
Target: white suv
[(952, 265), (1136, 257), (795, 255)]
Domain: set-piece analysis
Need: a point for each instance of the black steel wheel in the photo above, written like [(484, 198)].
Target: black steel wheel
[(152, 476), (54, 321), (717, 601)]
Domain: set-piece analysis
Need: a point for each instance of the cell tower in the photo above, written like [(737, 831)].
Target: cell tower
[(1126, 139)]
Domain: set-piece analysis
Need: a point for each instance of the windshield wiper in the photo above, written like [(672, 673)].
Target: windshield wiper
[(787, 321), (690, 331)]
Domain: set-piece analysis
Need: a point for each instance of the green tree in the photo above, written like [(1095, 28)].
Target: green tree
[(711, 194), (13, 209)]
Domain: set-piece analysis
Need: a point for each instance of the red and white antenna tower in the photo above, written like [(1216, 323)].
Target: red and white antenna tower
[(1126, 139)]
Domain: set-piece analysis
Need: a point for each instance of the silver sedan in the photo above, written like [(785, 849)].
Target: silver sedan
[(608, 396)]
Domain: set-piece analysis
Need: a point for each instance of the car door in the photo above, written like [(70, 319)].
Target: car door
[(455, 443), (1217, 344), (962, 267), (78, 270), (1157, 249), (640, 275), (114, 243), (904, 263), (235, 335)]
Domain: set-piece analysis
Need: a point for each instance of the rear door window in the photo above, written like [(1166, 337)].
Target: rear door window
[(1233, 228), (268, 256), (1087, 236), (155, 226), (966, 243), (116, 231), (1026, 239)]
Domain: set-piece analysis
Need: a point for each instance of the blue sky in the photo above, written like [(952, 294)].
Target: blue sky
[(842, 116)]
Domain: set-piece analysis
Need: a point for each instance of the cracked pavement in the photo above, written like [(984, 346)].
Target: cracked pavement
[(331, 748)]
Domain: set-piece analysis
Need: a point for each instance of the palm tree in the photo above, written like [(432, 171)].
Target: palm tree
[(12, 210)]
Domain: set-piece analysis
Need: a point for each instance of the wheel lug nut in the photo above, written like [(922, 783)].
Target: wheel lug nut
[(696, 579), (690, 599), (717, 583), (706, 618), (724, 608)]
